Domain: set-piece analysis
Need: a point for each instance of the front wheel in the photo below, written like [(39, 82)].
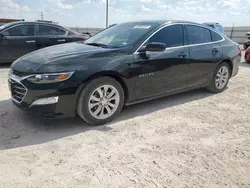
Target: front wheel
[(220, 78), (100, 101)]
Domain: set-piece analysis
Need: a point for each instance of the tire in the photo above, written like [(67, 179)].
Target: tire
[(248, 62), (100, 101), (214, 87)]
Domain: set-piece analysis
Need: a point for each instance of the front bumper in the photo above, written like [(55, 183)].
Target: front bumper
[(67, 93)]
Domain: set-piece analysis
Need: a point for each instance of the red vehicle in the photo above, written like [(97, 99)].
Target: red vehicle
[(247, 55)]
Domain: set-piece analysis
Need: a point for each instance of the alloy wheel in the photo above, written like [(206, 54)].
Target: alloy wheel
[(222, 77), (103, 102)]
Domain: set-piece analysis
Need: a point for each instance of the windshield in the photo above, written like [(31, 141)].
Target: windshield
[(5, 25), (122, 35)]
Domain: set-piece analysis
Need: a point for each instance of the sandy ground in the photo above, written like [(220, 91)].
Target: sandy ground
[(195, 139)]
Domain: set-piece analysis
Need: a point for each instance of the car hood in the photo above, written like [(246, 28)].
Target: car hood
[(65, 57)]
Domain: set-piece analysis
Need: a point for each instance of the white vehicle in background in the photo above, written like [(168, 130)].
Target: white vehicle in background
[(216, 26)]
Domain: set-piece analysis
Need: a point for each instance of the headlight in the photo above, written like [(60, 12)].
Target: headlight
[(10, 71), (49, 78)]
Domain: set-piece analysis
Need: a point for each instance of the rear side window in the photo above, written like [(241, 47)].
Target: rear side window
[(21, 30), (62, 32), (215, 36), (48, 30), (172, 36), (198, 35)]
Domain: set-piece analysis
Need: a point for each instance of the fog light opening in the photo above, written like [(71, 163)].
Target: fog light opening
[(45, 101)]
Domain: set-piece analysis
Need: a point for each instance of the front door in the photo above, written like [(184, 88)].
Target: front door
[(16, 42), (163, 72)]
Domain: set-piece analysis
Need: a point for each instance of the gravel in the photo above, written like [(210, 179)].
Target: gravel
[(194, 139)]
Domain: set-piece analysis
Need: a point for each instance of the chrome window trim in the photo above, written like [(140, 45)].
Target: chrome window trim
[(184, 46)]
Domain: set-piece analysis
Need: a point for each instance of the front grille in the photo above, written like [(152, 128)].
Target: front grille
[(18, 91)]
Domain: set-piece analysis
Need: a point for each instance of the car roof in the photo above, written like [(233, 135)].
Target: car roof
[(211, 23), (29, 22), (162, 21), (166, 22)]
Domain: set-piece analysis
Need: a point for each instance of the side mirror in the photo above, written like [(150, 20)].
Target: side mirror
[(154, 47), (3, 34)]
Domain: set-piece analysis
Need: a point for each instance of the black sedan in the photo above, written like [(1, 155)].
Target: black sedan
[(20, 38), (125, 64)]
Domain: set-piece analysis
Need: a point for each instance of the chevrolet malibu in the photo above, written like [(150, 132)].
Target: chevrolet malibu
[(123, 65)]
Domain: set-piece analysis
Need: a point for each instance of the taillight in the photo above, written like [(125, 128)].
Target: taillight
[(84, 38), (247, 54)]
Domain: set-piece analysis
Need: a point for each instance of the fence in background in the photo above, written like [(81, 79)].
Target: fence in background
[(92, 31), (237, 34)]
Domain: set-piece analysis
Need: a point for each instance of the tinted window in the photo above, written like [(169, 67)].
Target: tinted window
[(122, 35), (171, 36), (62, 32), (215, 36), (48, 30), (22, 30), (198, 34)]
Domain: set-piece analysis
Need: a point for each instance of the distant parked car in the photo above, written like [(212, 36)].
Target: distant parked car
[(216, 26), (247, 55), (122, 65), (86, 36), (246, 44), (20, 38)]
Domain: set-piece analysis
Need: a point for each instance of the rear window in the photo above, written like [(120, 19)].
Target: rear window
[(198, 35), (50, 30), (215, 36)]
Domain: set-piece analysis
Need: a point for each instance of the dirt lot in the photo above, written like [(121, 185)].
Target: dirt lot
[(195, 139)]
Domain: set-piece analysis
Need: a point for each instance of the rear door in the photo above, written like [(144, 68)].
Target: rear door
[(63, 36), (49, 35), (17, 41), (204, 55)]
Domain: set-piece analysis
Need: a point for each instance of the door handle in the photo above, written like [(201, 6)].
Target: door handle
[(215, 50), (183, 55), (61, 40), (30, 41)]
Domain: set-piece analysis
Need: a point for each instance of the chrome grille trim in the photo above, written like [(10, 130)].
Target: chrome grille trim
[(18, 90)]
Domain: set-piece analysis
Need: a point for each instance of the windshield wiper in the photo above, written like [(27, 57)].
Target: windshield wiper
[(97, 44)]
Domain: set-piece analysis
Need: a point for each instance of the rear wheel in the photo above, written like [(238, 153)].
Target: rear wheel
[(220, 78), (248, 62), (100, 101)]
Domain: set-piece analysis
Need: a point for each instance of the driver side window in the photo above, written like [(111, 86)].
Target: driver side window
[(172, 36), (21, 30)]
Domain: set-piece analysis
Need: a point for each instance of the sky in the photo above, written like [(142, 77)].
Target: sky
[(91, 13)]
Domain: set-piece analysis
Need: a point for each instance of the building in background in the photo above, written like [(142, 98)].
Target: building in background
[(6, 20)]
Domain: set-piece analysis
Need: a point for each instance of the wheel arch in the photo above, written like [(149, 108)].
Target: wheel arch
[(229, 62), (114, 75)]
